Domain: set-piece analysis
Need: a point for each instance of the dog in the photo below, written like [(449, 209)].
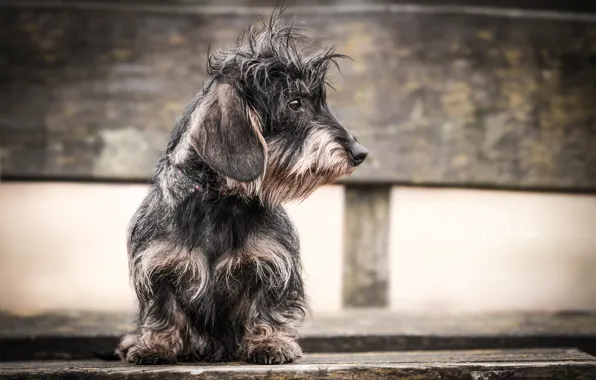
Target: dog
[(213, 257)]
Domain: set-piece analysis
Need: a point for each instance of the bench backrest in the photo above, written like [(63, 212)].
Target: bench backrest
[(440, 96)]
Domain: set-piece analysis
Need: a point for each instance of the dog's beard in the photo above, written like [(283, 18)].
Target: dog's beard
[(279, 189), (321, 161)]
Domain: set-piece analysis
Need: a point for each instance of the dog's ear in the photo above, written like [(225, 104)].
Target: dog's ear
[(226, 134)]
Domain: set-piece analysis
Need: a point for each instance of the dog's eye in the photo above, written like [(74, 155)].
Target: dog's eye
[(295, 104)]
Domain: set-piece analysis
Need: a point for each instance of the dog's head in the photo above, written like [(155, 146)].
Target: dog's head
[(264, 123)]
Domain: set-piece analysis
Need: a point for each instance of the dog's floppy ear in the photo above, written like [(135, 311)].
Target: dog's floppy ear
[(227, 136)]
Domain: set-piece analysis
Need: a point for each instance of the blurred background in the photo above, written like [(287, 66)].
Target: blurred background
[(480, 118)]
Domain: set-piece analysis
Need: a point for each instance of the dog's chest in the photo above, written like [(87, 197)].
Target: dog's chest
[(262, 259)]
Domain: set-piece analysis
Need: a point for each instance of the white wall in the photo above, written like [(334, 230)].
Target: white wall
[(467, 250), (62, 247)]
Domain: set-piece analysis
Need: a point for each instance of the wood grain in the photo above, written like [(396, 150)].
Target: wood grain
[(439, 98), (543, 364), (366, 250)]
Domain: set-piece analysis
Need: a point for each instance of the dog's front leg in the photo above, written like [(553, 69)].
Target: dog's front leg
[(267, 343), (275, 288), (162, 332), (271, 334)]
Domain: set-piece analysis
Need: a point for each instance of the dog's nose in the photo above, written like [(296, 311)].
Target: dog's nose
[(358, 152)]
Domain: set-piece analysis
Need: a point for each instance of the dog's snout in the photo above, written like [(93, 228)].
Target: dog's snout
[(358, 152)]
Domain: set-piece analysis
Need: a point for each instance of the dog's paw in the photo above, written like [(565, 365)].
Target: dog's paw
[(137, 355), (274, 351)]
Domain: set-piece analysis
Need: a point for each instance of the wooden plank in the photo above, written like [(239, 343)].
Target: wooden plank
[(438, 97), (573, 8), (543, 364), (366, 239), (79, 335)]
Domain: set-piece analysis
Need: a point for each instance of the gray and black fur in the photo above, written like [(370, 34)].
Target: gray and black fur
[(213, 257)]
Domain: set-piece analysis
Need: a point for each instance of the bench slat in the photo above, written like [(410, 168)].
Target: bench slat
[(79, 335), (439, 98), (544, 364)]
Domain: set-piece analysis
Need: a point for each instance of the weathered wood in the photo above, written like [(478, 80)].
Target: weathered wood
[(574, 7), (476, 6), (438, 97), (80, 335), (542, 364), (366, 238)]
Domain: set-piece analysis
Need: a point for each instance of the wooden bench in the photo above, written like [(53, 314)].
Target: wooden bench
[(515, 364), (443, 96), (78, 336)]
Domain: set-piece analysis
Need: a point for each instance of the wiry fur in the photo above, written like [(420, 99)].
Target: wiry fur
[(213, 257)]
